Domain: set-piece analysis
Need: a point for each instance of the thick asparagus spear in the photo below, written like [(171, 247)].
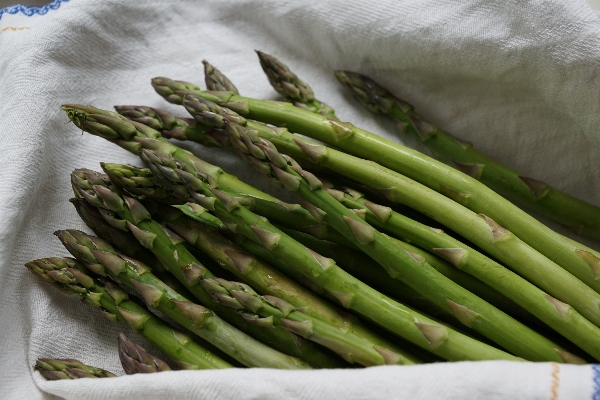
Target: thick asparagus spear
[(135, 359), (169, 249), (261, 276), (581, 261), (71, 277), (287, 84), (479, 229), (54, 369), (200, 320), (350, 292), (582, 217)]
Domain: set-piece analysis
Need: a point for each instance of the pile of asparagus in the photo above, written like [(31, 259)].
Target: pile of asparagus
[(360, 273)]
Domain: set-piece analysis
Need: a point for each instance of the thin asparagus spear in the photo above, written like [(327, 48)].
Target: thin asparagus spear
[(478, 228), (262, 277), (350, 292), (135, 359), (581, 261), (537, 196), (65, 368), (287, 84), (215, 80), (169, 249), (200, 320), (71, 277)]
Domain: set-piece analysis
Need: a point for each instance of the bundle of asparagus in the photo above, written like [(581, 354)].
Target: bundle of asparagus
[(341, 279)]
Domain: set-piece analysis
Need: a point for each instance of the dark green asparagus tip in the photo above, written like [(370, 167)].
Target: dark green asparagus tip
[(135, 359), (284, 81), (210, 114), (64, 368), (215, 80)]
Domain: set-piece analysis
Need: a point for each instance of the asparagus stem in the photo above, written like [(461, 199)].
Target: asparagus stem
[(169, 249), (350, 292), (478, 228), (579, 260), (135, 359), (287, 84), (582, 217), (262, 277), (65, 368), (200, 320), (71, 277)]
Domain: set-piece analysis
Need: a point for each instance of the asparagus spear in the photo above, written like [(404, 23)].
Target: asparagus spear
[(582, 217), (287, 84), (71, 277), (350, 292), (479, 229), (579, 260), (215, 80), (65, 368), (261, 276), (135, 359), (169, 249), (134, 136), (200, 320)]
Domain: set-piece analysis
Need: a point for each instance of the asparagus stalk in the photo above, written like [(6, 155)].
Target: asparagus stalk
[(129, 213), (215, 80), (537, 196), (71, 277), (54, 369), (261, 276), (97, 254), (292, 88), (478, 228), (135, 359), (579, 260), (134, 137), (350, 292)]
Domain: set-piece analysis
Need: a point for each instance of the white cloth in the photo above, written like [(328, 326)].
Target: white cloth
[(520, 79)]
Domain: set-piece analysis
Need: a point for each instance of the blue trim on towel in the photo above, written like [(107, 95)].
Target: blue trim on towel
[(596, 377), (31, 10)]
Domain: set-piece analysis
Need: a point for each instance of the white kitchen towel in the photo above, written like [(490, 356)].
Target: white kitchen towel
[(519, 79)]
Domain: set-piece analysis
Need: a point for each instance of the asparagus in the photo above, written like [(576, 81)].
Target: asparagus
[(65, 368), (215, 80), (537, 196), (261, 276), (134, 136), (169, 248), (579, 260), (287, 84), (350, 293), (479, 229), (135, 359), (199, 320), (71, 277)]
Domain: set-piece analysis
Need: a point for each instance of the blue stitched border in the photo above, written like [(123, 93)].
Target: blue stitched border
[(596, 377), (31, 10)]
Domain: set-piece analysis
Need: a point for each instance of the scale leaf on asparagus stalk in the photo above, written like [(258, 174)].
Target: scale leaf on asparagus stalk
[(579, 260), (582, 217), (351, 293), (71, 277)]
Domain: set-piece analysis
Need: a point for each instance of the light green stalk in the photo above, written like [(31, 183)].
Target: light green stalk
[(534, 195), (478, 228), (54, 369), (99, 255), (261, 276), (292, 88), (71, 277), (350, 292), (581, 261)]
